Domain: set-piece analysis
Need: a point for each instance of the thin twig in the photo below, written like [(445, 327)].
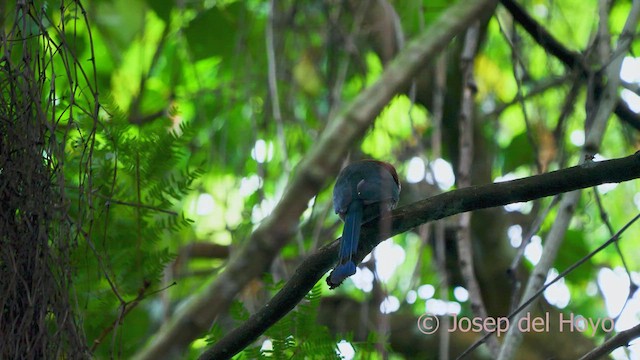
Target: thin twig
[(595, 126), (125, 309), (143, 206), (273, 88), (560, 276), (536, 89), (570, 58), (517, 259), (605, 219), (633, 87), (518, 63)]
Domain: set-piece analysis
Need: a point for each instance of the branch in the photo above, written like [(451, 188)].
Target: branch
[(621, 339), (406, 218), (595, 128), (272, 77), (465, 247), (530, 300), (545, 39), (311, 175), (570, 58), (125, 309)]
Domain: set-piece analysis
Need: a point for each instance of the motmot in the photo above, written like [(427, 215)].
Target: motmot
[(364, 190)]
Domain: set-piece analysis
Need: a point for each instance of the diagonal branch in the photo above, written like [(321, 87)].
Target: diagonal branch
[(311, 174), (595, 127), (531, 299), (570, 58), (543, 37), (465, 246), (407, 217), (622, 338)]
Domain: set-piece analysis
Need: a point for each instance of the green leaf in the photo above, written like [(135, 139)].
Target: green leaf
[(162, 8), (517, 153), (213, 32)]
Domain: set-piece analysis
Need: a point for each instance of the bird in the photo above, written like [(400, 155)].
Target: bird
[(364, 190)]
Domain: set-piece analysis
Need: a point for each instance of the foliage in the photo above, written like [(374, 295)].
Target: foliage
[(181, 122), (298, 334)]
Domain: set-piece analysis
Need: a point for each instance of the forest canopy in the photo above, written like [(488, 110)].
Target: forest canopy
[(167, 171)]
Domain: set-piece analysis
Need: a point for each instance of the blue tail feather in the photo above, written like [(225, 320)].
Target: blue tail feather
[(342, 272), (349, 243)]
